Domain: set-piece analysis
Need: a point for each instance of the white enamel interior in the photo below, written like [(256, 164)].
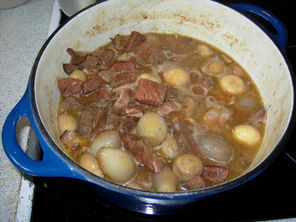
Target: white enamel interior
[(206, 20)]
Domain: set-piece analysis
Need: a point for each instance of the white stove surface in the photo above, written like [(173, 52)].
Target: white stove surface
[(27, 138)]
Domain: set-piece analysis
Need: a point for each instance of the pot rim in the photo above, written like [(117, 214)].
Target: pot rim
[(89, 177)]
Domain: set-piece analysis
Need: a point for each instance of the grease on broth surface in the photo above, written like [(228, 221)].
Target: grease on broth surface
[(160, 112)]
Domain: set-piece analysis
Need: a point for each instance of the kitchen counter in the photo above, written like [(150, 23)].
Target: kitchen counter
[(23, 30)]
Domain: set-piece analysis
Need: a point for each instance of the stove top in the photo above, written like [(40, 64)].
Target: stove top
[(268, 196)]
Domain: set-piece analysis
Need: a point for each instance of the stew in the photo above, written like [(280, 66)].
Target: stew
[(159, 112)]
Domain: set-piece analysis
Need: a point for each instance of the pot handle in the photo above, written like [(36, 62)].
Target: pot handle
[(281, 35), (50, 165)]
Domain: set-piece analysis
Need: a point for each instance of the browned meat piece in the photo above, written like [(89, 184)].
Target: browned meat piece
[(259, 116), (150, 92), (86, 122), (117, 42), (184, 138), (169, 107), (133, 112), (76, 59), (195, 183), (69, 86), (107, 120), (145, 48), (123, 99), (217, 117), (121, 79), (135, 39), (106, 75), (123, 66), (69, 68), (156, 57), (90, 63), (206, 83), (102, 94), (154, 163), (215, 174), (70, 139), (106, 58), (150, 52), (128, 124), (141, 149), (92, 84), (99, 95), (70, 103)]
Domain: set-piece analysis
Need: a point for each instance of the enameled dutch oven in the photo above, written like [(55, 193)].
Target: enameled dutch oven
[(259, 53)]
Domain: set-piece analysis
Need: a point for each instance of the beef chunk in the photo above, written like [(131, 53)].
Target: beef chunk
[(123, 66), (123, 99), (92, 84), (195, 183), (135, 39), (90, 63), (206, 83), (184, 137), (215, 174), (258, 117), (145, 48), (107, 120), (150, 92), (70, 103), (128, 124), (121, 79), (70, 139), (134, 112), (169, 107), (141, 149), (69, 86), (150, 52), (86, 122), (76, 59), (106, 58), (69, 68), (99, 95)]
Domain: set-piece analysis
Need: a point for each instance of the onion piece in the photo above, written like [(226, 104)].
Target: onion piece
[(165, 181), (116, 164), (215, 148), (108, 138), (247, 102), (169, 148), (90, 163)]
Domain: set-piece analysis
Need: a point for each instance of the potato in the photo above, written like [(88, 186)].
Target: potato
[(151, 77), (247, 134), (204, 51), (187, 166), (78, 74), (90, 163), (232, 84), (66, 122), (176, 77), (165, 181), (153, 127), (116, 164), (105, 139)]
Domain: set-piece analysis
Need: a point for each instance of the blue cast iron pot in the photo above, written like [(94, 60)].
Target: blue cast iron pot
[(260, 53)]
